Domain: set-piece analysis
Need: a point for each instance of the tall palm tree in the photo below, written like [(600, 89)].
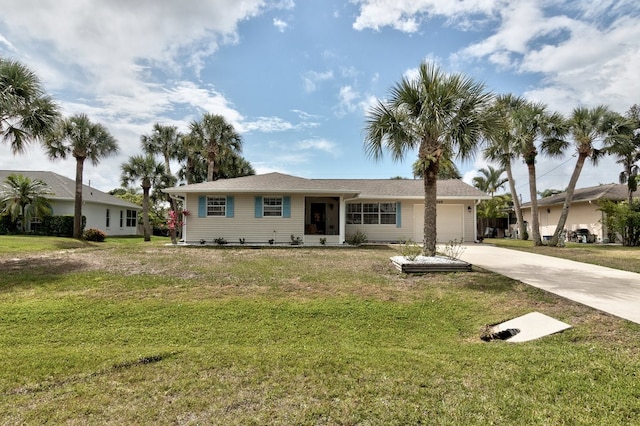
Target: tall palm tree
[(26, 112), (79, 137), (219, 140), (490, 180), (501, 149), (627, 150), (448, 170), (439, 115), (533, 124), (149, 173), (189, 154), (586, 126), (24, 198), (164, 141)]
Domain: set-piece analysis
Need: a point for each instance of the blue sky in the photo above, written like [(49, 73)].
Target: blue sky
[(297, 77)]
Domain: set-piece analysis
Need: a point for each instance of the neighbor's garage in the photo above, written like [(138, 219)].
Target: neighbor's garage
[(449, 222)]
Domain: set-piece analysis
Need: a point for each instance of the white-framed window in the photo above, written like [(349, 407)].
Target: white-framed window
[(121, 218), (372, 213), (217, 206), (108, 219), (354, 213), (272, 207)]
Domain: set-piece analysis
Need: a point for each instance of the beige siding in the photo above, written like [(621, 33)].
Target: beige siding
[(244, 224), (455, 221), (412, 223), (581, 215)]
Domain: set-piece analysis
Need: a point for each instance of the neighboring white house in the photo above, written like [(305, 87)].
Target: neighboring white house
[(110, 214), (583, 212), (275, 206)]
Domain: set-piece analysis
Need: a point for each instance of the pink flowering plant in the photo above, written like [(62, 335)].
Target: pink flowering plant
[(173, 223)]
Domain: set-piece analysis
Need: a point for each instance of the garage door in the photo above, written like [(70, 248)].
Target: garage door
[(449, 222)]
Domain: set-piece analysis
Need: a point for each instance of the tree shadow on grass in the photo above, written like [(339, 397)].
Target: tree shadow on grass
[(27, 272), (490, 283)]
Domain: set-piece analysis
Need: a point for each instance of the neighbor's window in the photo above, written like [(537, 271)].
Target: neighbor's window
[(132, 217), (121, 218), (216, 206), (371, 213), (272, 207), (108, 219)]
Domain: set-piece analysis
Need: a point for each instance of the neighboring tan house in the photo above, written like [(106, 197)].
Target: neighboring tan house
[(583, 212), (275, 206), (110, 214)]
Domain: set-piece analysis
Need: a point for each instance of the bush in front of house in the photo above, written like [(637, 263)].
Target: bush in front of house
[(60, 226), (357, 238), (96, 235)]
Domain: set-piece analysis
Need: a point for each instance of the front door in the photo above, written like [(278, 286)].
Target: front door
[(319, 218)]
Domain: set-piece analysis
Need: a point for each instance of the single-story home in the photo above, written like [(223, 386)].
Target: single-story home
[(583, 212), (276, 206), (114, 216)]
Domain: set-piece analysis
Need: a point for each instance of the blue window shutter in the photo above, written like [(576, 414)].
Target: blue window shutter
[(202, 206), (398, 214), (229, 206), (258, 206), (286, 206)]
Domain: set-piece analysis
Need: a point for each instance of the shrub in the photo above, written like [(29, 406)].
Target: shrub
[(93, 234), (356, 238), (60, 226), (220, 241), (410, 250)]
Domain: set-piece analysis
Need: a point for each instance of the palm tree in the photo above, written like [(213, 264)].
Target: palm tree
[(189, 153), (436, 113), (533, 123), (586, 126), (502, 150), (448, 170), (149, 172), (165, 141), (219, 140), (490, 181), (26, 112), (24, 198), (627, 149), (79, 137)]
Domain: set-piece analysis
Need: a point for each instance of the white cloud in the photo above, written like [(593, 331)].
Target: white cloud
[(280, 24), (319, 145), (407, 15), (311, 79)]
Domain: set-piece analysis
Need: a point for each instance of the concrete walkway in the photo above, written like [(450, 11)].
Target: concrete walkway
[(609, 290)]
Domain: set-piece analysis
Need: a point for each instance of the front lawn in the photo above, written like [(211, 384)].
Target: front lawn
[(127, 332)]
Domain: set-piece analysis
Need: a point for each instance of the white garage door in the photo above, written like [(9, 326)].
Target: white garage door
[(449, 222)]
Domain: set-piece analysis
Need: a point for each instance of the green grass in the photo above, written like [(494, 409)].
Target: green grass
[(127, 332)]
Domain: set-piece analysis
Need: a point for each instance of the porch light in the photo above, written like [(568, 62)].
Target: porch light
[(469, 209)]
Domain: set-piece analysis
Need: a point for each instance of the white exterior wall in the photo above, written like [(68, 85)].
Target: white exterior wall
[(412, 222), (96, 215), (244, 224)]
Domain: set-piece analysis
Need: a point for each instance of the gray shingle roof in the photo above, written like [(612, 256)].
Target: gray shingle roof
[(364, 188), (611, 191), (64, 188)]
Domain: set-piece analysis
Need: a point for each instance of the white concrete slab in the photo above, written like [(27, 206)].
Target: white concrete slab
[(532, 326)]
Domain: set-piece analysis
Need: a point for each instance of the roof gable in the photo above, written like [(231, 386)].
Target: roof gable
[(64, 188)]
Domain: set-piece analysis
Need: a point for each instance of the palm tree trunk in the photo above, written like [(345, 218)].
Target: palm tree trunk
[(145, 213), (533, 192), (430, 207), (77, 208), (568, 198), (516, 201)]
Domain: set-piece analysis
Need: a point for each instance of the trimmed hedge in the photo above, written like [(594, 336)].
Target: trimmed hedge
[(60, 226)]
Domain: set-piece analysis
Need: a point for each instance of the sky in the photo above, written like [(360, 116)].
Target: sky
[(296, 77)]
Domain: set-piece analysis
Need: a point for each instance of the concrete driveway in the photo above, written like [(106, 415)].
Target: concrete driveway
[(609, 290)]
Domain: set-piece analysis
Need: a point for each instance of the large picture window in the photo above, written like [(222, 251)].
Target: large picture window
[(272, 207), (372, 213), (216, 206)]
